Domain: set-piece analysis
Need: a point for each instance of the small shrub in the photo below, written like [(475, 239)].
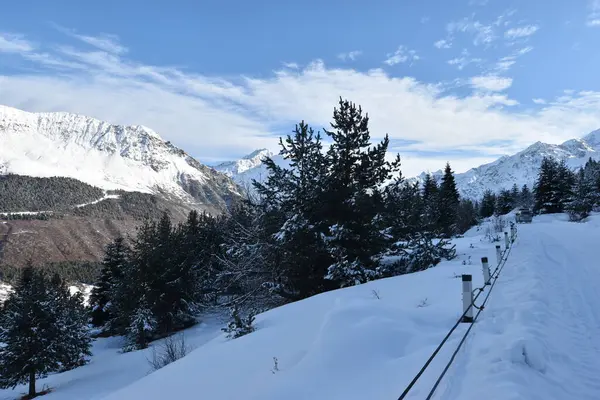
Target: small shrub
[(239, 326), (172, 349), (376, 294)]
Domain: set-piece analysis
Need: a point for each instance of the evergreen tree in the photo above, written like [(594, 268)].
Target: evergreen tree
[(553, 186), (504, 202), (352, 199), (467, 215), (292, 199), (448, 201), (70, 321), (582, 198), (113, 269), (43, 329), (526, 197), (28, 333), (431, 212), (488, 204), (515, 196)]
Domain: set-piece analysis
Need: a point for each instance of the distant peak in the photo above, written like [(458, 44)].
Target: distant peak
[(257, 153), (593, 137)]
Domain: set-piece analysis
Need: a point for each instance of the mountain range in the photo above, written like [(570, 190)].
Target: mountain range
[(94, 181), (520, 168)]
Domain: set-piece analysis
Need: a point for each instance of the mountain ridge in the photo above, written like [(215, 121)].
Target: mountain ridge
[(112, 157), (520, 168)]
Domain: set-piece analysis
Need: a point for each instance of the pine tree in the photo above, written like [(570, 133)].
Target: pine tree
[(28, 333), (526, 197), (70, 320), (504, 202), (515, 196), (466, 216), (352, 201), (582, 198), (448, 201), (431, 212), (292, 200), (113, 270), (488, 204)]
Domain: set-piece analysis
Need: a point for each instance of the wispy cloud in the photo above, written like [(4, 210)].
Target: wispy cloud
[(220, 118), (593, 18), (483, 34), (521, 32), (425, 20), (491, 83), (12, 43), (291, 65), (539, 101), (402, 55), (104, 41), (443, 44), (505, 63), (464, 60), (352, 55)]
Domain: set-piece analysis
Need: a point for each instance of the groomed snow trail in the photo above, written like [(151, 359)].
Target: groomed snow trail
[(539, 337)]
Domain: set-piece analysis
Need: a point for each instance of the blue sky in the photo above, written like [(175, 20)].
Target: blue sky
[(464, 81)]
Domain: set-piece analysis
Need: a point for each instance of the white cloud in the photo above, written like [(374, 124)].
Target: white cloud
[(291, 65), (539, 101), (401, 55), (352, 55), (425, 20), (593, 18), (491, 83), (521, 32), (505, 63), (11, 43), (483, 34), (217, 118), (443, 44), (464, 60)]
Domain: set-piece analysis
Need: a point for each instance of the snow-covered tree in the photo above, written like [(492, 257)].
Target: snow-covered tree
[(113, 269), (43, 329), (448, 201), (582, 198)]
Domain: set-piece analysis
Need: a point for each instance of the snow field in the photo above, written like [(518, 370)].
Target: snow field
[(345, 344), (536, 339)]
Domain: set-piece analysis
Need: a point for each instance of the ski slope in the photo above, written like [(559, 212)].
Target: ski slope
[(538, 337)]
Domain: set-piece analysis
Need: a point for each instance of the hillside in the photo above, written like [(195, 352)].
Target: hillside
[(59, 219), (532, 340)]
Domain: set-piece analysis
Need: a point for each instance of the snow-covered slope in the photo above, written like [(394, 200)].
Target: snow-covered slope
[(250, 167), (523, 167), (132, 158), (534, 339)]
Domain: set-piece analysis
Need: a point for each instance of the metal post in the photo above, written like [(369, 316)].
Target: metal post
[(486, 270), (506, 240), (498, 254), (467, 288)]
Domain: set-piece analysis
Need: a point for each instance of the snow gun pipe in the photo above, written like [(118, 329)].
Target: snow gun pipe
[(480, 309), (458, 322)]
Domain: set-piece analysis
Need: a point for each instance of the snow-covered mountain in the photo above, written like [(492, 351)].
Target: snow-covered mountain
[(250, 167), (132, 158), (523, 167)]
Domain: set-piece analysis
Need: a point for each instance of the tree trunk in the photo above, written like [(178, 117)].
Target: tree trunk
[(32, 384)]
